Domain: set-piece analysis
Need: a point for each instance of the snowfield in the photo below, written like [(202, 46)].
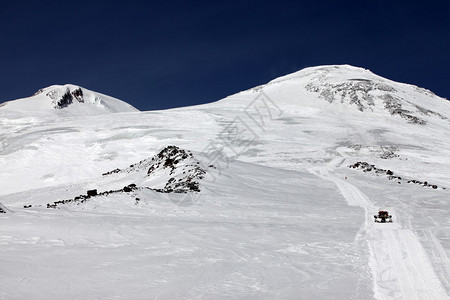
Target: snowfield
[(279, 215)]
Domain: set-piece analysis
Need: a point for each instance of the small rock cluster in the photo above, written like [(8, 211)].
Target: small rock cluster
[(366, 167), (394, 106), (90, 194)]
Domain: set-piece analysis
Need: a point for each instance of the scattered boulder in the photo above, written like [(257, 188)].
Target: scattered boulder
[(92, 193), (111, 172), (129, 188)]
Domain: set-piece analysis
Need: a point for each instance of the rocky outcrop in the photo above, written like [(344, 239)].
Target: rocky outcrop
[(366, 92), (186, 171), (64, 98), (182, 169), (355, 91), (179, 168)]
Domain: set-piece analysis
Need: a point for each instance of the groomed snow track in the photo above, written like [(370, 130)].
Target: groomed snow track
[(400, 267)]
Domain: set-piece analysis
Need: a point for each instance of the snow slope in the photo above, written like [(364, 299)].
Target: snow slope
[(279, 215)]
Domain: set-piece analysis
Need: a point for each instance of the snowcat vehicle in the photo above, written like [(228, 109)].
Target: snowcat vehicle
[(383, 217)]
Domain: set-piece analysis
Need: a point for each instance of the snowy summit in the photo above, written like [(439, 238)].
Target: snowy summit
[(67, 100)]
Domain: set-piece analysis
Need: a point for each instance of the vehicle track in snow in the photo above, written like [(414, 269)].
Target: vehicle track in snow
[(399, 264)]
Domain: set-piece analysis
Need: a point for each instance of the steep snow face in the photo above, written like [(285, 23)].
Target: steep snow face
[(277, 189), (66, 100)]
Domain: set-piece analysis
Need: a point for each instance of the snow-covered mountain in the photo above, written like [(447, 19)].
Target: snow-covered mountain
[(65, 101), (267, 194)]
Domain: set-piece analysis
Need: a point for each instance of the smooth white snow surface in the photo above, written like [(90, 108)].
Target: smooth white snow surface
[(279, 216)]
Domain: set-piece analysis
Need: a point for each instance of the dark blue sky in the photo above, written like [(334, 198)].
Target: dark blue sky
[(162, 54)]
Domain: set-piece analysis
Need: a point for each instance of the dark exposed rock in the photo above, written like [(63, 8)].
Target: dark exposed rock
[(84, 198), (78, 95), (366, 167), (354, 91), (362, 92), (129, 188), (65, 100), (92, 193), (169, 157), (111, 172)]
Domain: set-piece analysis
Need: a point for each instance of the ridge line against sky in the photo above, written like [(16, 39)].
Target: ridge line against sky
[(164, 54)]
